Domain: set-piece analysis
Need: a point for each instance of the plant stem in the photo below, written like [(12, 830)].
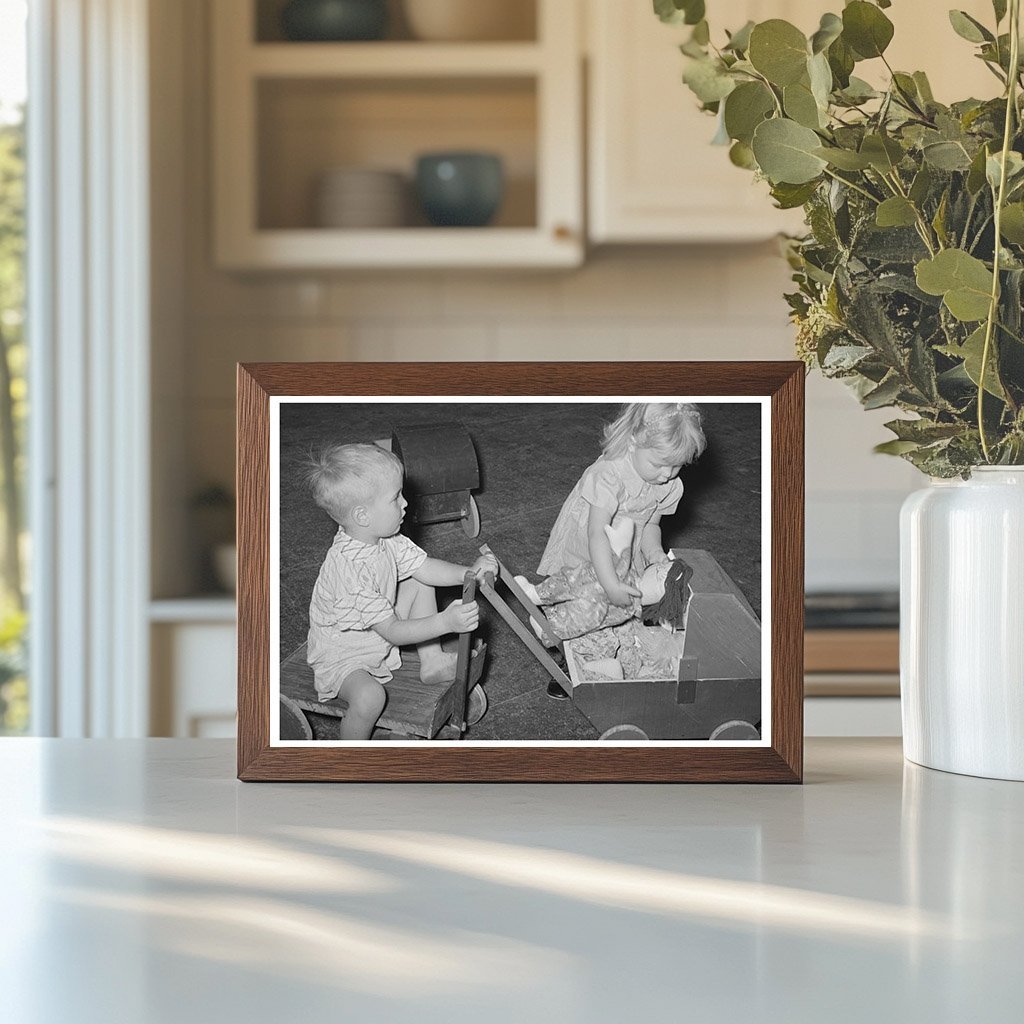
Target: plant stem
[(922, 225), (855, 187), (993, 309)]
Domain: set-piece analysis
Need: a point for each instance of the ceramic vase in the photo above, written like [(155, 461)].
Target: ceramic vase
[(962, 624)]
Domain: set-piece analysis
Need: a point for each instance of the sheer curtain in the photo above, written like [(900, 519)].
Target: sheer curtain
[(88, 314)]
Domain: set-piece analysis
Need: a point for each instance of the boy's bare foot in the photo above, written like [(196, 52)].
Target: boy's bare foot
[(438, 667)]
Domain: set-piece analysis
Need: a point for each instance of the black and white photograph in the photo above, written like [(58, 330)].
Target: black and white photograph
[(542, 570)]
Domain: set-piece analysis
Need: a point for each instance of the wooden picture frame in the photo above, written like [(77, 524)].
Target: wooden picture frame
[(778, 389)]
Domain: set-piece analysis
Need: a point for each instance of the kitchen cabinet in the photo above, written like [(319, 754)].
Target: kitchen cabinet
[(653, 175), (287, 113)]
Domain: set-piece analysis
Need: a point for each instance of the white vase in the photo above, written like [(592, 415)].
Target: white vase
[(962, 624)]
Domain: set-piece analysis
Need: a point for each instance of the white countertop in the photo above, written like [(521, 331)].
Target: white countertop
[(143, 884)]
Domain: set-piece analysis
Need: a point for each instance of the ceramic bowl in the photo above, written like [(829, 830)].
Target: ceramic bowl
[(360, 197), (460, 189), (334, 20), (469, 20)]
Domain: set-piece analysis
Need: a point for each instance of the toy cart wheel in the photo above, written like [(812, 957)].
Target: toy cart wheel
[(293, 724), (735, 730), (624, 732), (476, 705), (471, 521)]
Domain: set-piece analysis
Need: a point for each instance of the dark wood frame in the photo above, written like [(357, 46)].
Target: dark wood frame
[(478, 762)]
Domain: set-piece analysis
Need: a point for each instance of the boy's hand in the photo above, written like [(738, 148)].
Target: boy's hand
[(461, 618), (485, 563), (622, 595)]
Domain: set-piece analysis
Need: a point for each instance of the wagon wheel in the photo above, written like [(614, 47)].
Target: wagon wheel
[(476, 705), (471, 520), (293, 724), (735, 730), (624, 732)]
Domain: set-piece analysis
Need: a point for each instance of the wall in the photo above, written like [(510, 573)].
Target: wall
[(721, 302)]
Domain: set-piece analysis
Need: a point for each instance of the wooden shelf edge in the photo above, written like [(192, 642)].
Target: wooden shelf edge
[(392, 60)]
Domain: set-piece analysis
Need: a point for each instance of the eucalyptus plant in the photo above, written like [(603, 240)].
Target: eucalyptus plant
[(910, 278)]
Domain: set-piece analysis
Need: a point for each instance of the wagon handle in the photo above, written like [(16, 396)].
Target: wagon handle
[(462, 664)]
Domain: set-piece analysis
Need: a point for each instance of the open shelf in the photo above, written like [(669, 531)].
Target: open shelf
[(287, 113), (306, 128)]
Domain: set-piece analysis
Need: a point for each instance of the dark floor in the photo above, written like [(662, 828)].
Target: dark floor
[(530, 457)]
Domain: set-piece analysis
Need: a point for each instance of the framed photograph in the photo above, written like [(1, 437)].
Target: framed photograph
[(519, 572)]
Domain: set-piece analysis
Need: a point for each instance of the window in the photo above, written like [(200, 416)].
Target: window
[(14, 548)]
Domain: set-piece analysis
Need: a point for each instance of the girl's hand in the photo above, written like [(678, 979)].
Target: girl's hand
[(461, 618), (622, 595)]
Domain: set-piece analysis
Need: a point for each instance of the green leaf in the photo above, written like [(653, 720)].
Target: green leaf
[(1014, 169), (968, 28), (701, 33), (1012, 223), (923, 431), (896, 212), (939, 220), (739, 41), (707, 80), (946, 156), (789, 197), (841, 60), (745, 108), (800, 105), (820, 75), (921, 186), (924, 88), (866, 29), (785, 152), (999, 6), (830, 28), (963, 281), (976, 175), (844, 159), (778, 50), (742, 155), (895, 447), (885, 394), (971, 352), (676, 12), (883, 153)]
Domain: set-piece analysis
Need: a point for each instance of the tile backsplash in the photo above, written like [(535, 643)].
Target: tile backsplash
[(718, 302)]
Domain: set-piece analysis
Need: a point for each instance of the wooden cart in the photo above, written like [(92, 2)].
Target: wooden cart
[(414, 710), (717, 694)]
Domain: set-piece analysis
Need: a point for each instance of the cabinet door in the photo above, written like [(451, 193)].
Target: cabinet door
[(653, 174)]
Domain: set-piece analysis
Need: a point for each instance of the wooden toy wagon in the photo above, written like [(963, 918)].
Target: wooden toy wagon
[(716, 693)]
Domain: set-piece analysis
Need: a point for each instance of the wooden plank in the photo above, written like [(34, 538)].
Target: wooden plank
[(462, 665), (550, 638), (724, 637), (526, 635), (708, 576), (413, 706), (852, 650)]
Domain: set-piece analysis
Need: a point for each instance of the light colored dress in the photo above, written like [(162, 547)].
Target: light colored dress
[(355, 590), (614, 485)]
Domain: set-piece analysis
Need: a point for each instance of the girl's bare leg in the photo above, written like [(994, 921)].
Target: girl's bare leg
[(366, 698), (416, 601)]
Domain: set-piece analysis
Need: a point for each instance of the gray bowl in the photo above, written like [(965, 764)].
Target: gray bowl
[(334, 20), (460, 189)]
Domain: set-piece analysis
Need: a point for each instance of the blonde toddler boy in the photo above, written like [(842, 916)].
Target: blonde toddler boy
[(375, 590)]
